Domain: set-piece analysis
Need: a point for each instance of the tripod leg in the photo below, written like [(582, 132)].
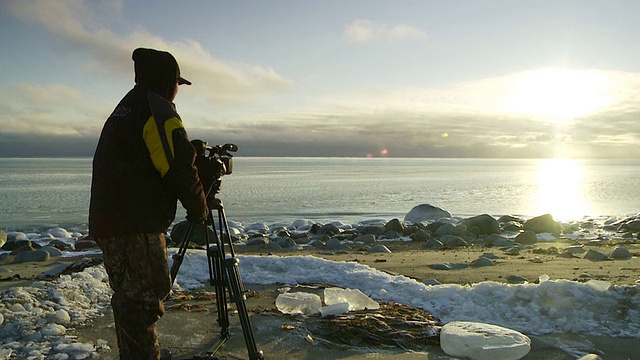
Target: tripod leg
[(236, 292), (179, 256)]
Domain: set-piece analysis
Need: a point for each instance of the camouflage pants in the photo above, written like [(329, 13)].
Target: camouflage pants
[(140, 279)]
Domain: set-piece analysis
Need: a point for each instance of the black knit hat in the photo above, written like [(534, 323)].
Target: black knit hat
[(151, 65)]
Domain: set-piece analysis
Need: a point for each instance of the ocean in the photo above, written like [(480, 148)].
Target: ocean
[(56, 191)]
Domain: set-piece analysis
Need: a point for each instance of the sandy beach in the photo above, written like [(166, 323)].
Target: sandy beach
[(189, 326)]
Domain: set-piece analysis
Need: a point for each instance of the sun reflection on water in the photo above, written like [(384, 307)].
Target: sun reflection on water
[(560, 192)]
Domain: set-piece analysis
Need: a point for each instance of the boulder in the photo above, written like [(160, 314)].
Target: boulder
[(493, 239), (526, 237), (85, 245), (543, 224), (509, 218), (198, 235), (421, 236), (434, 244), (376, 230), (3, 238), (481, 341), (394, 225), (16, 236), (620, 253), (28, 256), (425, 212), (379, 249), (595, 256), (366, 238), (451, 229), (482, 224)]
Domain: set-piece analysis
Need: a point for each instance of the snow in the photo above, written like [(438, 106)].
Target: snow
[(38, 320)]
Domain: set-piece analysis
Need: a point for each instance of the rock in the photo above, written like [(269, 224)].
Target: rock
[(198, 234), (27, 256), (394, 225), (434, 244), (578, 249), (493, 238), (450, 229), (510, 219), (480, 341), (85, 245), (595, 256), (273, 246), (449, 266), (515, 279), (329, 229), (526, 237), (3, 238), (482, 261), (482, 224), (391, 235), (425, 212), (16, 236), (376, 230), (543, 224), (59, 233), (512, 226), (366, 238), (286, 243), (379, 249), (590, 357), (452, 241), (512, 250), (11, 245), (51, 250), (60, 245), (335, 244), (421, 235), (257, 241), (54, 271), (431, 282), (633, 226), (27, 247), (620, 253)]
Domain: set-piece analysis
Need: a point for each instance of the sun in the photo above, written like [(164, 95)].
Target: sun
[(558, 94)]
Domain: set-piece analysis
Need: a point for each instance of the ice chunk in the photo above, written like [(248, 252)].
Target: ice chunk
[(335, 309), (480, 341), (299, 303), (356, 299), (599, 285)]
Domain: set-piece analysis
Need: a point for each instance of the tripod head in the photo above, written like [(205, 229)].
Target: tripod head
[(213, 162)]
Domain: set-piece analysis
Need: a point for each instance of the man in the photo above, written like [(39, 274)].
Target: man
[(143, 164)]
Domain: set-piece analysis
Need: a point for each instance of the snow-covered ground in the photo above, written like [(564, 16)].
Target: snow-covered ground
[(35, 320)]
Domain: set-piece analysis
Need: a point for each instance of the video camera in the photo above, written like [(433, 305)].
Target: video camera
[(213, 162)]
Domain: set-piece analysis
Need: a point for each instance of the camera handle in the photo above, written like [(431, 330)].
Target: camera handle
[(224, 276)]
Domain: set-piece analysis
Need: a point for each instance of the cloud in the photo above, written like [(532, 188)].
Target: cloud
[(78, 24), (48, 109), (365, 31)]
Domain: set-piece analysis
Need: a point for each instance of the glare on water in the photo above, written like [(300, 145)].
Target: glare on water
[(560, 191)]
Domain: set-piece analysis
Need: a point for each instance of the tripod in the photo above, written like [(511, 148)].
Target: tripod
[(223, 275)]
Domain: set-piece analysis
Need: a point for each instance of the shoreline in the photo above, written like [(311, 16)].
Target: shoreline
[(269, 324), (478, 266)]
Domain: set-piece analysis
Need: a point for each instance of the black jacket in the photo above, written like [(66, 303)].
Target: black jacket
[(143, 164)]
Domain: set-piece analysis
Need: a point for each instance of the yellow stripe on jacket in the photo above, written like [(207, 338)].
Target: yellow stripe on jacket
[(156, 142)]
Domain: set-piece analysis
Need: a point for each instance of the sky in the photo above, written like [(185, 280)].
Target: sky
[(506, 79)]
